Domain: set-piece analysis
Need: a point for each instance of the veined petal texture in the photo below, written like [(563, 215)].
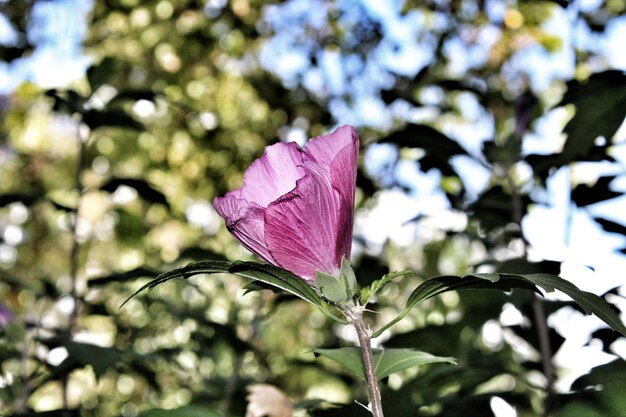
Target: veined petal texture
[(296, 207)]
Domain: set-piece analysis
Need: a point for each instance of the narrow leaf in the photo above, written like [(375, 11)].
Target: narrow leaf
[(143, 188), (591, 303), (264, 273), (110, 118), (139, 272), (368, 292), (442, 284)]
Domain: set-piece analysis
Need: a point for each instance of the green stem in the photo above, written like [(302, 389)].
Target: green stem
[(368, 363)]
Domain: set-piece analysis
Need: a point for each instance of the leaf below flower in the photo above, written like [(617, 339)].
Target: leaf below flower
[(386, 361), (264, 273)]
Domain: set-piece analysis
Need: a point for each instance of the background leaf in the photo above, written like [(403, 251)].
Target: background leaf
[(189, 411)]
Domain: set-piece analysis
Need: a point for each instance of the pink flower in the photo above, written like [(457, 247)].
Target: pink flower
[(296, 207)]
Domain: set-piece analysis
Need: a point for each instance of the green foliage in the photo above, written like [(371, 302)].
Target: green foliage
[(368, 293), (179, 412), (386, 361), (339, 289), (176, 106), (266, 274), (596, 98)]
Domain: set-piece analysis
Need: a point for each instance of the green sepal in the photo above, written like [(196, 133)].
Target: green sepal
[(337, 289)]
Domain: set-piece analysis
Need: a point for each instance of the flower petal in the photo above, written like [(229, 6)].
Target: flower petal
[(343, 180), (324, 149), (245, 222), (274, 174), (334, 157), (298, 233)]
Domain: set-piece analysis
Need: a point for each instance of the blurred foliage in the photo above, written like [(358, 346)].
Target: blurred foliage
[(109, 181)]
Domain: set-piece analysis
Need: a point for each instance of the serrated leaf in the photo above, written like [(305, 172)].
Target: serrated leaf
[(386, 361), (442, 284), (591, 303), (121, 276), (264, 273)]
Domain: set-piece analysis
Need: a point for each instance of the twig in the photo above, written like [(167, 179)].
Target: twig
[(75, 241), (543, 333), (75, 250), (368, 363)]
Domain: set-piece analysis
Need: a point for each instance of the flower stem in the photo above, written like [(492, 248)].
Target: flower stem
[(368, 363)]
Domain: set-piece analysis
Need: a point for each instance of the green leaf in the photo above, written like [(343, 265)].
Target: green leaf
[(264, 273), (386, 361), (591, 303), (611, 226), (139, 272), (145, 190), (133, 95), (438, 148), (368, 292), (585, 195), (110, 118), (188, 411), (100, 358), (600, 110), (26, 199), (442, 284), (101, 73)]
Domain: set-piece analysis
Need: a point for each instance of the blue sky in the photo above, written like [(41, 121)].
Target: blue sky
[(57, 30)]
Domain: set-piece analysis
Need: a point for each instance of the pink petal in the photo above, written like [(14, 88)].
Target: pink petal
[(343, 180), (298, 232), (245, 222), (296, 208), (324, 149), (334, 157), (273, 175)]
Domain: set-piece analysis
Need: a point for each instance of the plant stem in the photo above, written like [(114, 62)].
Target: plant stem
[(74, 261), (546, 352), (368, 363), (74, 253), (543, 332)]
